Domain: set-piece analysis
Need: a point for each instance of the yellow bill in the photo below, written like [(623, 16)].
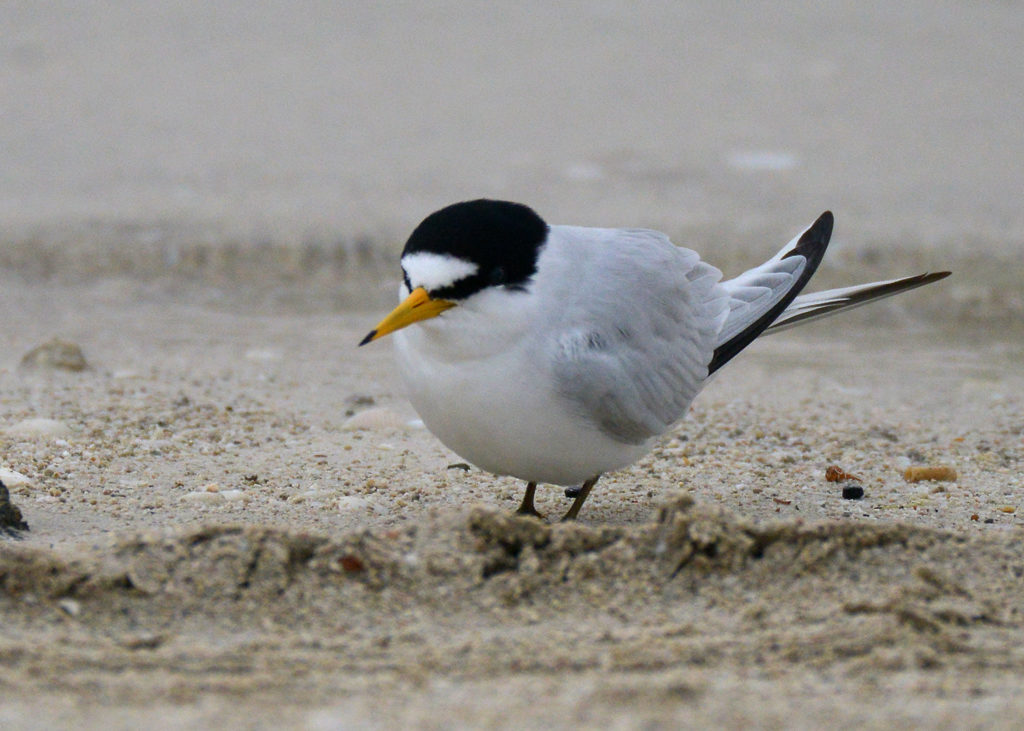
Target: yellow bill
[(414, 308)]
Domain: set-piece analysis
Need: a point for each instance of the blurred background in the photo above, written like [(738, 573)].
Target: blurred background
[(302, 141)]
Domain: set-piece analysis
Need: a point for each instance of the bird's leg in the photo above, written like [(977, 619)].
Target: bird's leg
[(580, 499), (526, 507)]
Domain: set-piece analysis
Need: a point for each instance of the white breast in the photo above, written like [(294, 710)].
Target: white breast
[(498, 410)]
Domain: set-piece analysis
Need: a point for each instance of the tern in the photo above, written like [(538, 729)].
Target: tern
[(555, 354)]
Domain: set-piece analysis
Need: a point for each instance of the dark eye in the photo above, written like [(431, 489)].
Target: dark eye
[(497, 276)]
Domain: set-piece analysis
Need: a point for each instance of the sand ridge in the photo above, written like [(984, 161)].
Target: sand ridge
[(484, 595)]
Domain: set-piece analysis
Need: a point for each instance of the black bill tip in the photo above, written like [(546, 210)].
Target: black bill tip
[(368, 338)]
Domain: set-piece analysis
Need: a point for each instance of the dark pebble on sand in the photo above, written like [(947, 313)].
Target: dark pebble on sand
[(10, 516), (852, 492)]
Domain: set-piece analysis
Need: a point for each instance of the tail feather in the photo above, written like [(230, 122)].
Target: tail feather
[(809, 307)]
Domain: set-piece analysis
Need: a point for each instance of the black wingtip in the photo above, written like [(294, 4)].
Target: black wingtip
[(368, 338), (814, 240), (825, 221)]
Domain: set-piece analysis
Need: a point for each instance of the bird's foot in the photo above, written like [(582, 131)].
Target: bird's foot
[(581, 497), (526, 507)]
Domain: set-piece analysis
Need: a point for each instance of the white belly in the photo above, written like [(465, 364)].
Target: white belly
[(500, 413)]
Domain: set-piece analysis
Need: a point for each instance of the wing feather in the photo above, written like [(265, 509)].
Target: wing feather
[(810, 307), (759, 295), (633, 359)]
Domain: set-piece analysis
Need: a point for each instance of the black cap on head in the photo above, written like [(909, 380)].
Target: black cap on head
[(503, 239)]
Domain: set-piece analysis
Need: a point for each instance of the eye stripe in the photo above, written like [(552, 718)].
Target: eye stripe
[(436, 271)]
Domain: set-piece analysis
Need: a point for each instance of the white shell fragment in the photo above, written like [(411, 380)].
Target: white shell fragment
[(38, 428), (12, 478), (374, 420)]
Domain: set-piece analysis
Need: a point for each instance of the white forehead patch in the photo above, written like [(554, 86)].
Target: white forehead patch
[(434, 271)]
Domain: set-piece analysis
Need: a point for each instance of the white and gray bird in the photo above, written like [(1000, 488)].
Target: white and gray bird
[(558, 353)]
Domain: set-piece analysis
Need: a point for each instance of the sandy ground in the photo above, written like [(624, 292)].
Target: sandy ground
[(215, 541)]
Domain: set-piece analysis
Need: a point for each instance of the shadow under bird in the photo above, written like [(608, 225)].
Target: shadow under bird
[(558, 353)]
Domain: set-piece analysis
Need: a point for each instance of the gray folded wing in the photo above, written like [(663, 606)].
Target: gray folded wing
[(639, 331)]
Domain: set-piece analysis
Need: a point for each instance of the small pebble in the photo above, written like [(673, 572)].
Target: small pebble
[(938, 472), (354, 503), (834, 473), (10, 515), (143, 641), (352, 563), (34, 428), (56, 354), (312, 492), (203, 497), (852, 492), (12, 478), (361, 400), (374, 419)]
